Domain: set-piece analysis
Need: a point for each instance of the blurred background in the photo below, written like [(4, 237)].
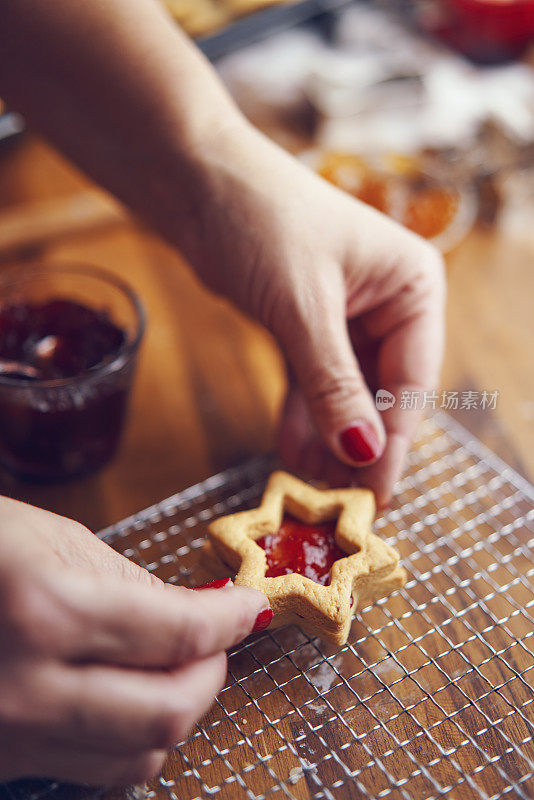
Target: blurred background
[(423, 109)]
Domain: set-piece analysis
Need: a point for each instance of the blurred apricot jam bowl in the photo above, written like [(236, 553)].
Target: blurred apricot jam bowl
[(69, 340), (396, 185)]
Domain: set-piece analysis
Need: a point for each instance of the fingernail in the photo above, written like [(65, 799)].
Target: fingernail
[(361, 443), (351, 601), (263, 620), (217, 584)]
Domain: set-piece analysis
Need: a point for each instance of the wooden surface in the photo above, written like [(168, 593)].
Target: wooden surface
[(210, 382)]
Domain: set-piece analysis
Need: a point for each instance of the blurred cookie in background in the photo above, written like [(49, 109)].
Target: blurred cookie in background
[(202, 17)]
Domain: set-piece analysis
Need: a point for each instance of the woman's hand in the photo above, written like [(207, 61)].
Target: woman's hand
[(355, 301), (102, 666)]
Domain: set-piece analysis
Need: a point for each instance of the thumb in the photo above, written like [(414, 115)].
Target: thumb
[(321, 355)]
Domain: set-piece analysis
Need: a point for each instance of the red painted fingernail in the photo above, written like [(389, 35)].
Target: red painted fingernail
[(263, 620), (361, 443), (217, 584), (351, 601)]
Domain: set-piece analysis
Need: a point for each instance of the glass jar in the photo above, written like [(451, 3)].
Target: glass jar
[(57, 428)]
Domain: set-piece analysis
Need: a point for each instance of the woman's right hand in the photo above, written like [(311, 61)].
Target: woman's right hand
[(355, 301), (103, 667)]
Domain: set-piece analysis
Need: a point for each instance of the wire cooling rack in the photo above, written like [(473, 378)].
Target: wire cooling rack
[(432, 695)]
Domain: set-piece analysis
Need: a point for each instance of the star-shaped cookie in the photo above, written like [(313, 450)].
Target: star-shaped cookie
[(368, 571)]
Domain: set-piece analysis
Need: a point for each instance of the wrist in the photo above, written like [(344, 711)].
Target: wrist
[(198, 181), (176, 185)]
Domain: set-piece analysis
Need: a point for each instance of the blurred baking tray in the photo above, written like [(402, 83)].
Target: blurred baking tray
[(431, 697), (264, 23), (11, 124)]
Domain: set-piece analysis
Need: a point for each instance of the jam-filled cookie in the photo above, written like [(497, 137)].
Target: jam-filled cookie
[(311, 551)]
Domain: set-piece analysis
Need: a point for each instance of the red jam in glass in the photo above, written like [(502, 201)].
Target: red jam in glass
[(59, 339), (309, 550), (56, 430)]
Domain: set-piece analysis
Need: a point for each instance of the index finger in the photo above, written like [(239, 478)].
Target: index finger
[(132, 624)]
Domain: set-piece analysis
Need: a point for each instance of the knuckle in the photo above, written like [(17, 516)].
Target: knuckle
[(34, 615), (425, 285), (304, 300), (151, 580), (329, 385), (431, 265), (132, 571), (21, 604), (198, 635)]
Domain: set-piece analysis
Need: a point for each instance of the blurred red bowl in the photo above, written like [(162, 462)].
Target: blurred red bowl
[(487, 31)]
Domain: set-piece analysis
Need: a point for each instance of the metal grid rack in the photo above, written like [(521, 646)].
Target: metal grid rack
[(433, 694)]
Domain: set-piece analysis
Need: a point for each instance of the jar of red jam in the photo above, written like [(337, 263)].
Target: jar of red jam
[(69, 340)]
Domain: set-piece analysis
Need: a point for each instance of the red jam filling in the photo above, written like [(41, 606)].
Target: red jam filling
[(66, 430), (58, 339), (309, 550)]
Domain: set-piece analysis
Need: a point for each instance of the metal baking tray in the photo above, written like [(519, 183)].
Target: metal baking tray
[(432, 695)]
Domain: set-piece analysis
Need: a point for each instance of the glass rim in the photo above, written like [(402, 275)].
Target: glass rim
[(124, 353)]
